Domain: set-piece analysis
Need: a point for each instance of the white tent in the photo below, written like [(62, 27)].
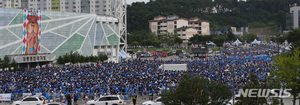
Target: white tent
[(211, 43), (237, 42), (288, 47), (177, 67), (255, 42), (123, 55)]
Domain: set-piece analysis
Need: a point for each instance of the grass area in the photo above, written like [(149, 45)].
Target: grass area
[(217, 48)]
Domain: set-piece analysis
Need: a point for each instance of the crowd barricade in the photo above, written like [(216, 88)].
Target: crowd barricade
[(5, 98)]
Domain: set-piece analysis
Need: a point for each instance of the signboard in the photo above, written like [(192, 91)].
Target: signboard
[(39, 94), (5, 97), (32, 31), (33, 58), (26, 94)]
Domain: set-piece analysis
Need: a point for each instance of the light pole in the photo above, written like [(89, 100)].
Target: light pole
[(278, 39), (232, 83)]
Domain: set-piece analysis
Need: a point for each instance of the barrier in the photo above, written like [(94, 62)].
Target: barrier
[(5, 97), (26, 94)]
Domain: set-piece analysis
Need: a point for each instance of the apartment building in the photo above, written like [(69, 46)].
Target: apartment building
[(293, 18), (185, 33), (172, 24), (99, 7)]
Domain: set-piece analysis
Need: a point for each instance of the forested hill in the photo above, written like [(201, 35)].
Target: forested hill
[(221, 13)]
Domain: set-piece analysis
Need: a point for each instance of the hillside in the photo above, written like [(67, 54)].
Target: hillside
[(221, 13)]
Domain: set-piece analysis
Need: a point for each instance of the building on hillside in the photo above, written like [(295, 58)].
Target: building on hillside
[(185, 33), (61, 33), (99, 7), (201, 25), (293, 18), (162, 24), (184, 28)]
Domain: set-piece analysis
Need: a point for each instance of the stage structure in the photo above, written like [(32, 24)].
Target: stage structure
[(58, 33)]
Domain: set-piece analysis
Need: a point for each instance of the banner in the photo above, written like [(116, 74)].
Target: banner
[(32, 31), (5, 97), (26, 94), (39, 94)]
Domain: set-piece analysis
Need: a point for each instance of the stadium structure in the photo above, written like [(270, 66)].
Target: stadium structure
[(63, 32)]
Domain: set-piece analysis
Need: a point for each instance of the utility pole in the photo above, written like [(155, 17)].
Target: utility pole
[(278, 39)]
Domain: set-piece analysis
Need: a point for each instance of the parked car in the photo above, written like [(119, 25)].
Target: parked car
[(108, 100), (32, 100), (174, 51), (156, 101), (183, 52)]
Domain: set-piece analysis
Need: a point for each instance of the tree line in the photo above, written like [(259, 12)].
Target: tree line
[(220, 13), (77, 58), (147, 38), (5, 63)]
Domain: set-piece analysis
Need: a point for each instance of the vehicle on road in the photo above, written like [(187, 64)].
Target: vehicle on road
[(32, 100), (156, 101), (108, 100)]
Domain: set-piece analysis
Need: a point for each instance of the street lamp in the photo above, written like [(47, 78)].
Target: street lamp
[(278, 39), (232, 83)]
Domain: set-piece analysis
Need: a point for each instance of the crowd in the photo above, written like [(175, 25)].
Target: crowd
[(138, 75)]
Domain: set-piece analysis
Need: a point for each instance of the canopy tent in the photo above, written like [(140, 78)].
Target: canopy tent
[(123, 55), (177, 67), (288, 47), (237, 42), (211, 44), (255, 42)]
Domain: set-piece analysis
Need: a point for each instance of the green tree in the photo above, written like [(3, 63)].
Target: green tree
[(294, 37), (135, 43), (287, 71), (60, 60), (219, 41), (195, 90), (249, 37), (220, 13), (195, 39), (1, 63), (230, 36), (6, 62), (103, 57), (254, 84), (14, 64), (200, 39), (178, 40), (220, 93)]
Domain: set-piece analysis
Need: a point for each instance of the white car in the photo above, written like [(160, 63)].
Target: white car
[(174, 51), (156, 101), (108, 100), (183, 52), (32, 100)]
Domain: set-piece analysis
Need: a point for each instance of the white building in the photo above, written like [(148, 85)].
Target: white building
[(99, 7), (293, 18)]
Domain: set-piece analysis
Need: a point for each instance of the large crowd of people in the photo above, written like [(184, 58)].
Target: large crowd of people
[(137, 75)]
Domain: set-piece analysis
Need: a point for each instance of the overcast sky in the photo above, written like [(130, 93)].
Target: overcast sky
[(131, 1)]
